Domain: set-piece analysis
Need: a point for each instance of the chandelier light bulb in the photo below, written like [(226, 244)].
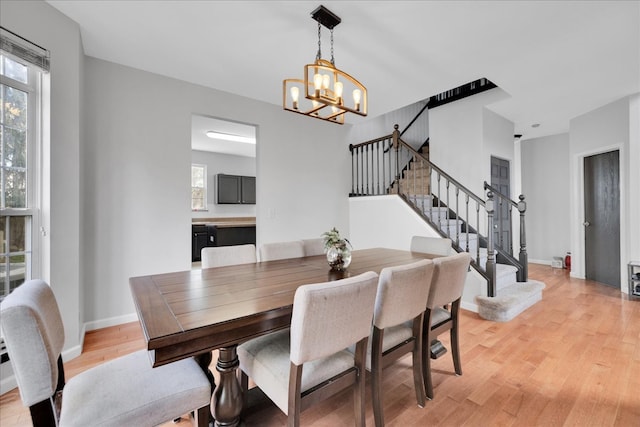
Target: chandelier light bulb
[(357, 96), (339, 88), (317, 83), (295, 95), (325, 81)]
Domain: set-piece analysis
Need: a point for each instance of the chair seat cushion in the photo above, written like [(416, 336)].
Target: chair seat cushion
[(267, 362), (128, 391), (439, 315), (393, 336)]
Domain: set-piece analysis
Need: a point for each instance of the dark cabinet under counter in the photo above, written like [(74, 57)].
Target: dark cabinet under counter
[(223, 233), (230, 236)]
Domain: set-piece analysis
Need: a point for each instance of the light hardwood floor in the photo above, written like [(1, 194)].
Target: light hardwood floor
[(573, 359)]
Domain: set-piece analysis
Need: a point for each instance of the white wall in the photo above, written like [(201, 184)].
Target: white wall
[(387, 221), (604, 129), (382, 125), (545, 183), (138, 176), (464, 135), (226, 164)]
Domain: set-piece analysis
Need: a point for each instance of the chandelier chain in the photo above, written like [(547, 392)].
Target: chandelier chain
[(319, 54), (332, 60)]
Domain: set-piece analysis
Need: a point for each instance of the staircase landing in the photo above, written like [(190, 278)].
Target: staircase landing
[(511, 301)]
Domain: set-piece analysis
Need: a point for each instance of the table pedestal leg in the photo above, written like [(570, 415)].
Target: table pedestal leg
[(226, 402)]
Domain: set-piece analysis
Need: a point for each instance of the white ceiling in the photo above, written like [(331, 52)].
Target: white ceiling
[(200, 125), (556, 59)]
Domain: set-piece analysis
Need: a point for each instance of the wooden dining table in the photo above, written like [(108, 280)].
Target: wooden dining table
[(191, 313)]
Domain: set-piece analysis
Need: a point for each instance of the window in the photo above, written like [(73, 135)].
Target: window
[(198, 187), (20, 89)]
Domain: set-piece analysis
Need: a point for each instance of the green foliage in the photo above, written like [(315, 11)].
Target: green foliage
[(333, 238)]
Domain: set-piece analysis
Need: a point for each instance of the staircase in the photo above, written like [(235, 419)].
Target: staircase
[(388, 165)]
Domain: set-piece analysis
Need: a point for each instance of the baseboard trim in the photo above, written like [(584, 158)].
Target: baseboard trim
[(540, 261), (469, 306), (112, 321), (9, 383)]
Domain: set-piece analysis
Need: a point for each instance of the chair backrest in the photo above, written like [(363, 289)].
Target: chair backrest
[(228, 255), (329, 317), (431, 245), (448, 280), (313, 246), (34, 334), (402, 293), (281, 250)]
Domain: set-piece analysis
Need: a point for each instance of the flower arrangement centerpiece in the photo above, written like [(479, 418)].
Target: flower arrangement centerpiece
[(338, 250)]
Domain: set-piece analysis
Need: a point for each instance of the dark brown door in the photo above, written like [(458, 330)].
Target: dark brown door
[(500, 179), (602, 218)]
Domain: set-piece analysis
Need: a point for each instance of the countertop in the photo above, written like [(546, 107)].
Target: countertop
[(226, 222)]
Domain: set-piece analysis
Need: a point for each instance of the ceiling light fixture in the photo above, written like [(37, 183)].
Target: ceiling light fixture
[(230, 137), (323, 85)]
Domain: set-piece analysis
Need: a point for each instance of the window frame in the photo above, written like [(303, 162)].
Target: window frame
[(204, 187), (33, 200)]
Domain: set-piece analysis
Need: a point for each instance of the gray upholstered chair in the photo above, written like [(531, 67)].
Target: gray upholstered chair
[(397, 326), (228, 255), (123, 391), (431, 245), (313, 246), (281, 250), (298, 367), (442, 310)]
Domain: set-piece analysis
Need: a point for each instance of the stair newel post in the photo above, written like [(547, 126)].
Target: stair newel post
[(491, 265), (396, 145), (524, 258), (366, 164)]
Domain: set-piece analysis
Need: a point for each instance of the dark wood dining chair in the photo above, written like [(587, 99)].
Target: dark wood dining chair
[(123, 391), (309, 362), (397, 326), (443, 306)]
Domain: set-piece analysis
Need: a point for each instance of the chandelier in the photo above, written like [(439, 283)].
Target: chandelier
[(324, 86)]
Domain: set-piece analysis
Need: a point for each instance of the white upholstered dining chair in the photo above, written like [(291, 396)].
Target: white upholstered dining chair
[(300, 366), (397, 326), (313, 246), (281, 250), (443, 306), (431, 245), (228, 255), (123, 391)]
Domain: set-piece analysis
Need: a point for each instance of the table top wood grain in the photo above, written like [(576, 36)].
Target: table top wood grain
[(192, 312)]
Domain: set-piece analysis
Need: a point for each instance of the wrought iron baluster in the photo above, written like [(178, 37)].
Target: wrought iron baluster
[(458, 221), (378, 166)]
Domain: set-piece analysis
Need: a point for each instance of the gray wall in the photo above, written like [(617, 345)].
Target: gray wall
[(227, 164), (615, 126), (119, 172), (138, 176), (545, 183), (62, 205)]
